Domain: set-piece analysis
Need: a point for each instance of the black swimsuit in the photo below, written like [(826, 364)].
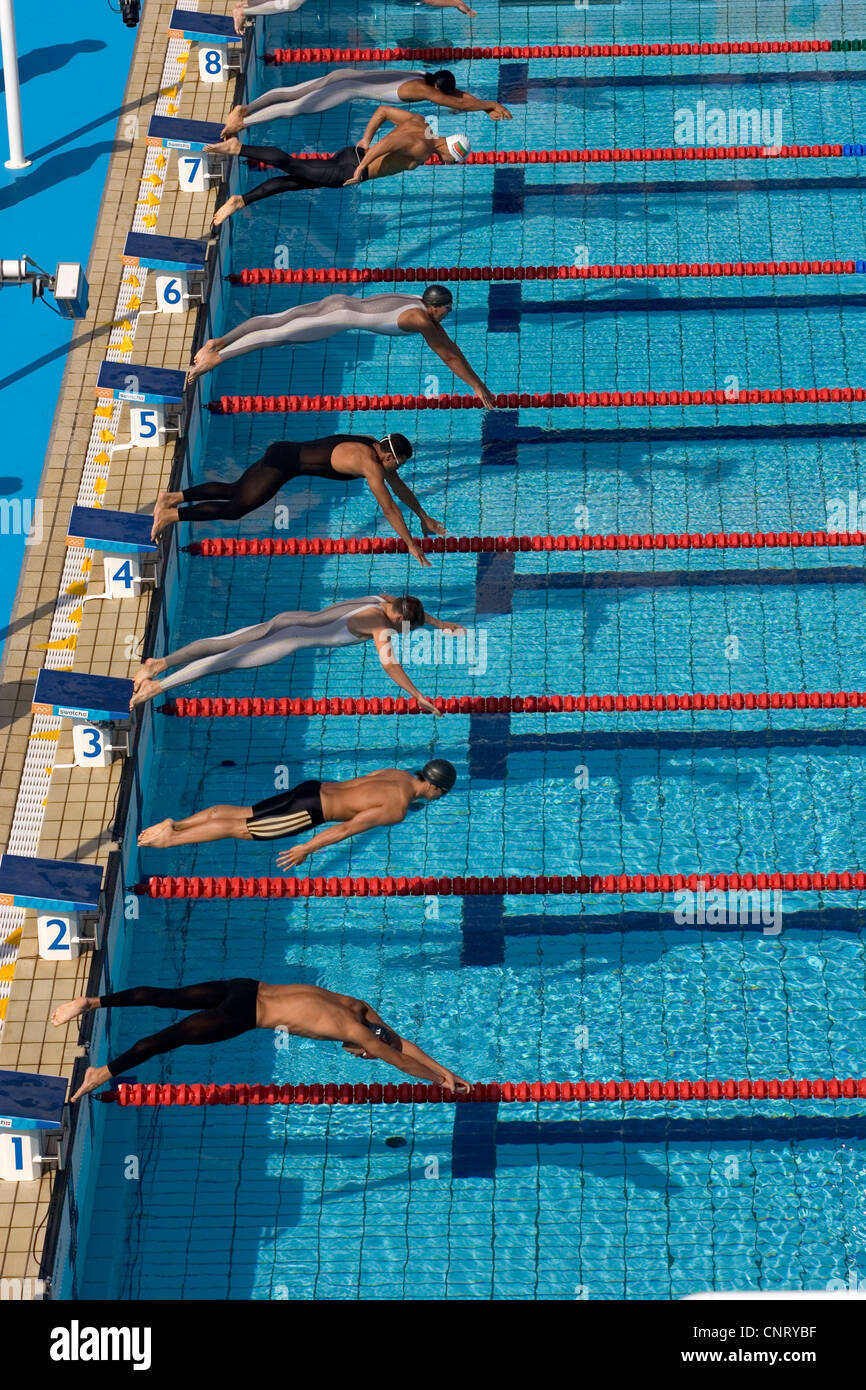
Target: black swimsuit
[(226, 1009), (288, 813), (332, 171), (262, 480)]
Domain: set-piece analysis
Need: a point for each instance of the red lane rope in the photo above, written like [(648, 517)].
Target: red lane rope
[(216, 547), (258, 707), (532, 1092), (650, 270), (639, 154), (553, 50), (595, 885), (535, 400)]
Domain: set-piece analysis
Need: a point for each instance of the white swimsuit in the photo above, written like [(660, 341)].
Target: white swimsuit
[(307, 323), (321, 93), (265, 643)]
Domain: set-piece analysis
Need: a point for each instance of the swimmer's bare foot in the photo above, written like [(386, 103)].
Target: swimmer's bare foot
[(229, 207), (205, 360), (230, 146), (165, 512), (154, 666), (207, 346), (158, 836), (65, 1013), (93, 1077), (234, 121), (146, 691)]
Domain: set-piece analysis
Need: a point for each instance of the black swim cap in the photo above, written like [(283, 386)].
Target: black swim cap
[(436, 295), (443, 80), (440, 773), (399, 446)]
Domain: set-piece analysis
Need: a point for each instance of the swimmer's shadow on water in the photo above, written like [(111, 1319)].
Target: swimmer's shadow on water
[(57, 170), (41, 61), (79, 340), (535, 1137)]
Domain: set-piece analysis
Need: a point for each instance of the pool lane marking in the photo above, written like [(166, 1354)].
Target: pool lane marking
[(515, 84), (664, 48), (506, 274), (34, 785), (511, 188), (507, 305)]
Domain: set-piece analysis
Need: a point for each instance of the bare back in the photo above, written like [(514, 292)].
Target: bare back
[(389, 789), (307, 1011)]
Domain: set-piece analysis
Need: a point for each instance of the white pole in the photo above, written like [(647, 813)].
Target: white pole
[(17, 159)]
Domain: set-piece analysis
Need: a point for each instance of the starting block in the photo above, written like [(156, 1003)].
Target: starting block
[(179, 263), (95, 704), (154, 395), (196, 171), (60, 892), (124, 537), (219, 54), (31, 1106)]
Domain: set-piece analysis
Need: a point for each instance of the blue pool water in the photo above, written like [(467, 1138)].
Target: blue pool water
[(73, 61), (532, 1202)]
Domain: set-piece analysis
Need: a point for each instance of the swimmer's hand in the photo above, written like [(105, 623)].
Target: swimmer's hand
[(451, 627), (418, 554), (454, 1083), (291, 858), (430, 527), (487, 398), (428, 706), (356, 178), (498, 112)]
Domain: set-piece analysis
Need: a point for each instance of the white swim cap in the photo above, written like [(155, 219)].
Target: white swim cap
[(458, 147)]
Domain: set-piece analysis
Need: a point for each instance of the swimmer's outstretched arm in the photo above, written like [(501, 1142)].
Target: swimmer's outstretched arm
[(392, 667), (407, 496), (445, 348), (465, 101), (407, 1058), (444, 623), (378, 485), (452, 5), (364, 820)]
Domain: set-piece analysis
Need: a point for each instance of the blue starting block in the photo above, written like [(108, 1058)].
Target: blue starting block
[(30, 1106), (123, 537), (181, 133), (179, 263), (151, 392), (196, 171), (97, 528), (95, 704), (76, 695), (201, 27), (60, 892), (164, 252), (127, 381)]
